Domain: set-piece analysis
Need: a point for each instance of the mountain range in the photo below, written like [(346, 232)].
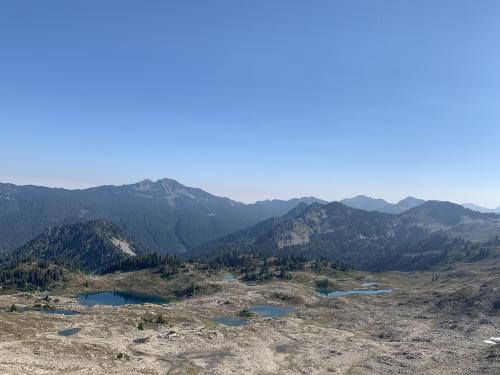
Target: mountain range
[(367, 239), (168, 217), (366, 203), (363, 202), (475, 207), (164, 215), (418, 238)]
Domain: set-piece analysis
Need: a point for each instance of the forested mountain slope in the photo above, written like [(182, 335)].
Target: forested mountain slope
[(369, 240), (165, 215), (94, 246)]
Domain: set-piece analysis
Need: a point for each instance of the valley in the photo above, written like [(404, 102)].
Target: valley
[(423, 325)]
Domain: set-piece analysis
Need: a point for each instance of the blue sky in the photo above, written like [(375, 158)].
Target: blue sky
[(255, 99)]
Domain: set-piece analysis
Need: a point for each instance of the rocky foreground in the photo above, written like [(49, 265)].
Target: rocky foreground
[(423, 326)]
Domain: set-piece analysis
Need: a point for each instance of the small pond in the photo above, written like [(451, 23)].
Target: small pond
[(338, 293), (229, 278), (46, 311), (69, 332), (230, 321), (271, 311), (287, 348), (119, 298), (59, 311)]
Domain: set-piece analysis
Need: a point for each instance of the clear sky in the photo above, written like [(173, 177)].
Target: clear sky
[(255, 99)]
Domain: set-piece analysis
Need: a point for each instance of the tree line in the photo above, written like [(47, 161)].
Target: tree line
[(29, 273)]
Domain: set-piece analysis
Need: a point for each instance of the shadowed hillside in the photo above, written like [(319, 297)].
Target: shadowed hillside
[(418, 238), (164, 216)]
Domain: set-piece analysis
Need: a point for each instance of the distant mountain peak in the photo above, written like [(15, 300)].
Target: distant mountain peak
[(363, 202), (168, 189), (362, 197), (307, 200), (164, 215), (409, 203), (443, 215), (144, 185), (475, 207), (161, 183), (411, 199)]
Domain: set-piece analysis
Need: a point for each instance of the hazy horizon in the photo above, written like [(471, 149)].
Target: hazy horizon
[(255, 100), (396, 200)]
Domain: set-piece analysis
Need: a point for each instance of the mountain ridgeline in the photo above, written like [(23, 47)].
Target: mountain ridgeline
[(475, 207), (100, 229), (362, 202), (56, 255), (163, 216), (93, 246), (418, 238)]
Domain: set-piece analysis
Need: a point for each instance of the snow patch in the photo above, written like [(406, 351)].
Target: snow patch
[(123, 246), (493, 341)]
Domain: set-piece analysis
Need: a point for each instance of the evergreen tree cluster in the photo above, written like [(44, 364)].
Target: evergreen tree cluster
[(260, 266), (169, 264), (370, 241), (90, 244), (323, 264), (30, 274)]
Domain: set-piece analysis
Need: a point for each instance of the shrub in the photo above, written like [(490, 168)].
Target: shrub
[(246, 313), (161, 320)]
